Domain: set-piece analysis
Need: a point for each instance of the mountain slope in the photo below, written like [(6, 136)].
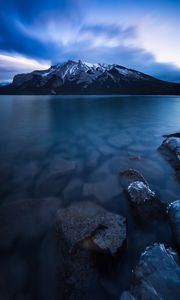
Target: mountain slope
[(77, 77)]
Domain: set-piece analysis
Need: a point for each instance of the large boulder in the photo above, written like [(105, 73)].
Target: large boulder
[(170, 148), (143, 200), (174, 218), (156, 276), (88, 238)]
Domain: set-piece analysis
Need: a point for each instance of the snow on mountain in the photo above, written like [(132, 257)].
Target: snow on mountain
[(88, 72), (80, 77)]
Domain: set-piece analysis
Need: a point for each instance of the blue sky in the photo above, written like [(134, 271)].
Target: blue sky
[(139, 34)]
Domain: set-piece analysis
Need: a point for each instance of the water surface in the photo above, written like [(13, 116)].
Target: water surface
[(102, 136)]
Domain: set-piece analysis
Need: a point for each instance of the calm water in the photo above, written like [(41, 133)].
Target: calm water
[(102, 136)]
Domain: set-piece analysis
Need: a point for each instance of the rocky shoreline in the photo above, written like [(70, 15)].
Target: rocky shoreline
[(87, 240)]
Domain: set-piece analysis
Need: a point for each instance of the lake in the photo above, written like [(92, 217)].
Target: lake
[(102, 136)]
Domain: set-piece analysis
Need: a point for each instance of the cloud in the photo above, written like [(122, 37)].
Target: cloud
[(54, 31), (11, 65)]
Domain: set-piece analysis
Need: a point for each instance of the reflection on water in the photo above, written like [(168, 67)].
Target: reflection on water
[(98, 137)]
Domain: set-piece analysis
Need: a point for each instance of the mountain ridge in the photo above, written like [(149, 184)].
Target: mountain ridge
[(79, 77)]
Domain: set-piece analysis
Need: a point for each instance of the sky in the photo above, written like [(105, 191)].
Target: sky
[(139, 34)]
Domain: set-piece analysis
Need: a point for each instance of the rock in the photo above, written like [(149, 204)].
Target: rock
[(62, 167), (130, 175), (26, 220), (170, 148), (25, 175), (73, 190), (157, 275), (140, 193), (6, 176), (106, 150), (176, 134), (88, 236), (119, 141), (174, 218), (127, 296), (143, 200), (103, 190), (54, 178), (118, 163), (89, 222), (135, 157), (92, 160)]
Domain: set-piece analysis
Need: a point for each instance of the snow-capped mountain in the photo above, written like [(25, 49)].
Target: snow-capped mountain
[(78, 77)]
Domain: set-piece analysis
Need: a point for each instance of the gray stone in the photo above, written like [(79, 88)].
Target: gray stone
[(139, 192), (157, 275), (170, 148), (86, 235), (173, 144), (174, 217), (176, 134), (143, 200)]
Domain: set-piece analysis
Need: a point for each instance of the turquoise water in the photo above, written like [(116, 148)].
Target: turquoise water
[(101, 136)]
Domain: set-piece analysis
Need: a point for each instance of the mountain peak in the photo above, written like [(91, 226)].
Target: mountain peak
[(81, 77)]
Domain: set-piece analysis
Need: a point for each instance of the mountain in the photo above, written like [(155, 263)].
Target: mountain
[(78, 77), (5, 82)]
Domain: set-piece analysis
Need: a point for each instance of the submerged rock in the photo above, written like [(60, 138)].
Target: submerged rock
[(170, 148), (26, 220), (88, 236), (54, 178), (142, 199), (156, 277), (103, 190), (174, 217), (73, 190), (119, 141)]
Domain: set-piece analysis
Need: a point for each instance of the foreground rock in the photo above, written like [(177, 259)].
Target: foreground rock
[(170, 148), (174, 217), (156, 277), (176, 134), (143, 200), (88, 236), (27, 220)]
